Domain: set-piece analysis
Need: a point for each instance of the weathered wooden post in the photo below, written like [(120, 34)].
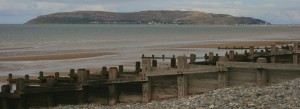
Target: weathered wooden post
[(138, 66), (9, 77), (5, 89), (146, 65), (182, 78), (273, 52), (216, 58), (20, 84), (211, 56), (226, 54), (182, 62), (50, 82), (296, 46), (104, 72), (26, 77), (112, 88), (261, 73), (192, 58), (295, 55), (154, 63), (182, 85), (231, 55), (163, 57), (245, 52), (82, 76), (251, 50), (146, 85), (41, 75), (173, 62), (206, 57), (222, 74), (121, 68), (56, 74)]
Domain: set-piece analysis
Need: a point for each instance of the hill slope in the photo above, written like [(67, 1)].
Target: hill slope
[(143, 17)]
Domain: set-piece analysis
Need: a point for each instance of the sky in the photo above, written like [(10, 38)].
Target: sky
[(272, 11)]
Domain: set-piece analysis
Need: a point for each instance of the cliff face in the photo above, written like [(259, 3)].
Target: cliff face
[(143, 17)]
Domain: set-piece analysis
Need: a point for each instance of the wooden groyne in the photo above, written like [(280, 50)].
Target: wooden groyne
[(150, 80)]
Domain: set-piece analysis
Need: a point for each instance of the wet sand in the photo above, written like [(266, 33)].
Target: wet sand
[(55, 56), (232, 44), (20, 48)]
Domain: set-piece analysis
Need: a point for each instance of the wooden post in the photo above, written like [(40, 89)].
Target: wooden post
[(222, 79), (82, 76), (192, 58), (231, 55), (154, 63), (121, 68), (173, 62), (146, 66), (296, 46), (206, 57), (50, 81), (273, 59), (251, 50), (261, 73), (295, 58), (26, 77), (147, 91), (182, 62), (20, 84), (50, 100), (41, 75), (56, 75), (138, 66), (112, 89), (5, 89), (9, 77), (222, 75), (113, 73), (211, 56), (146, 85), (182, 85)]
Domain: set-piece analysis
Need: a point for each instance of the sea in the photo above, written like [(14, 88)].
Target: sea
[(127, 42)]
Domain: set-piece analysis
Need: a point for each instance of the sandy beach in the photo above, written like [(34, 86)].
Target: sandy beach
[(55, 57)]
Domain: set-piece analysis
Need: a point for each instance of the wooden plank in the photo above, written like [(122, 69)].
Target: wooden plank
[(263, 65), (186, 71), (46, 90)]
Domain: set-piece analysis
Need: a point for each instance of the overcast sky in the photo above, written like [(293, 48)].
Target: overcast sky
[(273, 11)]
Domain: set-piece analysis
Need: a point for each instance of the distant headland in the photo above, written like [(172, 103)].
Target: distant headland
[(143, 17)]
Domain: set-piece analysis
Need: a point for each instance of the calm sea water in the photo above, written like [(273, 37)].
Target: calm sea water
[(129, 41)]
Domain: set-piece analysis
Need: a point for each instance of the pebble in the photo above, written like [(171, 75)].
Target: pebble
[(282, 95)]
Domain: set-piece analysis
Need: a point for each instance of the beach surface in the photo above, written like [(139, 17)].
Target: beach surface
[(185, 48), (54, 56), (229, 44)]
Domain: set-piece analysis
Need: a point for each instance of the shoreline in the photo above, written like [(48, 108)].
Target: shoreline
[(55, 57), (231, 44)]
